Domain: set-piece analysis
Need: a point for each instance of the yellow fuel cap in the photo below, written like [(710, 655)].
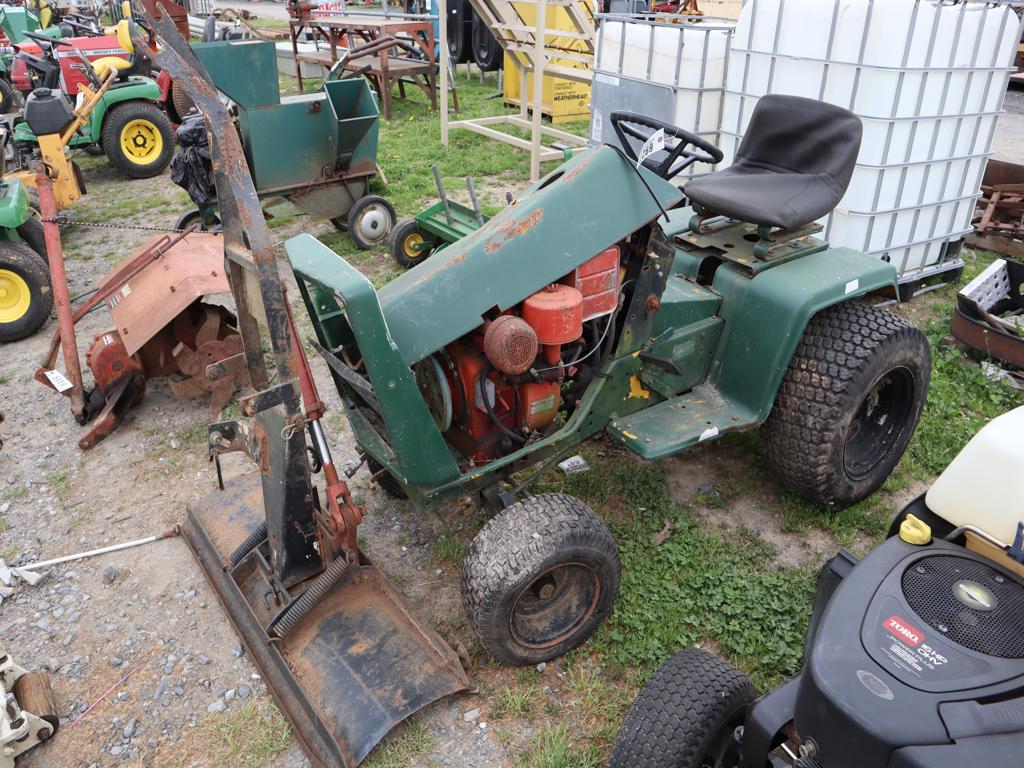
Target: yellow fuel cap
[(913, 530)]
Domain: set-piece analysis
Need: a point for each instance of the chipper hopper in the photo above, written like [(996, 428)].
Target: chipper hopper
[(341, 652), (317, 150)]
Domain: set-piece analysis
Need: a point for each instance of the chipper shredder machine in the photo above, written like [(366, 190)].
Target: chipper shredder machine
[(317, 150), (598, 301)]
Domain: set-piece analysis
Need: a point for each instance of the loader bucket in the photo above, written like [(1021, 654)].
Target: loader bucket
[(358, 664)]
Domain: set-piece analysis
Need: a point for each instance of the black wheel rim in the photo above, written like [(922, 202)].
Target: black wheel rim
[(555, 605), (880, 422), (724, 749)]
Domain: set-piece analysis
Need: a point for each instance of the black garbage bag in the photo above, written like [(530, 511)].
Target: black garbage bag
[(191, 168)]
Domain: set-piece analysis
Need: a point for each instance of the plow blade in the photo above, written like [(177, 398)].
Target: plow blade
[(358, 663)]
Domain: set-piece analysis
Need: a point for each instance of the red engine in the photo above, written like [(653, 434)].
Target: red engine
[(493, 389)]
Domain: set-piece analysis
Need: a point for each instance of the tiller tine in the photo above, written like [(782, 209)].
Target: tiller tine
[(355, 666)]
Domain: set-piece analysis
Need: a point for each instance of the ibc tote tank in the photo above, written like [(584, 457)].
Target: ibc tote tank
[(927, 80)]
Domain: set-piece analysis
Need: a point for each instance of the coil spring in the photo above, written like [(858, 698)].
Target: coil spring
[(313, 594), (252, 541)]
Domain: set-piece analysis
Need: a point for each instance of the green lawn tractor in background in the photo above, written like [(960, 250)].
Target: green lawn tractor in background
[(25, 292), (126, 121), (599, 301), (14, 23), (440, 225), (914, 655)]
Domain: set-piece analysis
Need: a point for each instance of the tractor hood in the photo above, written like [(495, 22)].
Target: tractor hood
[(589, 203)]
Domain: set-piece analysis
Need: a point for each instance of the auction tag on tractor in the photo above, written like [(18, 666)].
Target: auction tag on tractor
[(59, 380), (652, 145)]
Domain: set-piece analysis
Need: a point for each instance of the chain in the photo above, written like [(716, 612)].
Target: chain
[(64, 221)]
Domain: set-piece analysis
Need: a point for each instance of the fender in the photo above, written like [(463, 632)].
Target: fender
[(766, 315), (14, 210), (136, 89)]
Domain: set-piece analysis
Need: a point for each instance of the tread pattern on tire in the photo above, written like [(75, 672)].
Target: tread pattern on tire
[(19, 258), (111, 140), (836, 345), (677, 713), (513, 544)]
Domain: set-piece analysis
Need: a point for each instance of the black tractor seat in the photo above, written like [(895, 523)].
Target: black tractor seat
[(792, 167)]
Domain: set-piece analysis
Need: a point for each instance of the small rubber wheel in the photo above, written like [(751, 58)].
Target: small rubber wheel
[(386, 481), (370, 221), (539, 578), (35, 694), (848, 404), (138, 139), (25, 294), (189, 218), (409, 246), (32, 233), (686, 716)]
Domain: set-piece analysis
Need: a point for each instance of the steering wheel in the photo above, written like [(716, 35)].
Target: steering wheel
[(678, 158), (45, 39)]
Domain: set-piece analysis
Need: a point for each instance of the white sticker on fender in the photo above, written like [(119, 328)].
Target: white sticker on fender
[(852, 286)]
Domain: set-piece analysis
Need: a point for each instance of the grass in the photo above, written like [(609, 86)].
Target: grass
[(554, 747), (248, 737), (15, 492), (60, 483), (413, 741), (515, 701), (449, 549)]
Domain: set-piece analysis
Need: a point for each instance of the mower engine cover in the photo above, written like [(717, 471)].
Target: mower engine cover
[(918, 658)]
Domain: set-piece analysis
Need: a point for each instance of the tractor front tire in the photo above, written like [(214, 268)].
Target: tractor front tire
[(686, 715), (539, 578), (26, 297), (138, 139), (404, 240), (370, 221), (848, 405)]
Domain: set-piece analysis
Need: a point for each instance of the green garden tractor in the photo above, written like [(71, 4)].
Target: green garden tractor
[(601, 300), (25, 292)]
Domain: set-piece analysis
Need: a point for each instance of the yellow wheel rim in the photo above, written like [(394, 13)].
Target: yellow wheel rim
[(409, 246), (15, 296), (141, 141)]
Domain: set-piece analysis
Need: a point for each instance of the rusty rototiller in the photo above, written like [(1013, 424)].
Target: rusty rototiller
[(598, 301)]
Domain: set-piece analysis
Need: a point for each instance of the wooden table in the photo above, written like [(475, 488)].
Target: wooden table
[(385, 69)]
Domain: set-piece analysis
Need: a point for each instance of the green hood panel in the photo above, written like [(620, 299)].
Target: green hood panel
[(14, 209), (589, 203)]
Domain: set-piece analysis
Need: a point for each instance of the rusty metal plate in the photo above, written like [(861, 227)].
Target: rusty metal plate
[(188, 270), (357, 665)]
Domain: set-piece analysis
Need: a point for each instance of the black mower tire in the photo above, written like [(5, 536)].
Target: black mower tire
[(406, 234), (460, 31), (32, 233), (848, 404), (683, 715), (22, 274), (370, 233), (508, 578), (94, 150), (119, 118), (387, 482), (9, 97), (487, 52)]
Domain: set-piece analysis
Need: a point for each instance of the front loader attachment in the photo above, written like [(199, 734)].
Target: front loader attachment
[(358, 664), (338, 648)]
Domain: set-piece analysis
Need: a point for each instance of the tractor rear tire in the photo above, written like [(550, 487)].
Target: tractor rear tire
[(370, 221), (138, 139), (686, 715), (32, 233), (848, 405), (403, 241), (26, 297), (539, 578)]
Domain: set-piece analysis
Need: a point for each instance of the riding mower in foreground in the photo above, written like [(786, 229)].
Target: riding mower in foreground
[(914, 657), (126, 121), (592, 303)]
